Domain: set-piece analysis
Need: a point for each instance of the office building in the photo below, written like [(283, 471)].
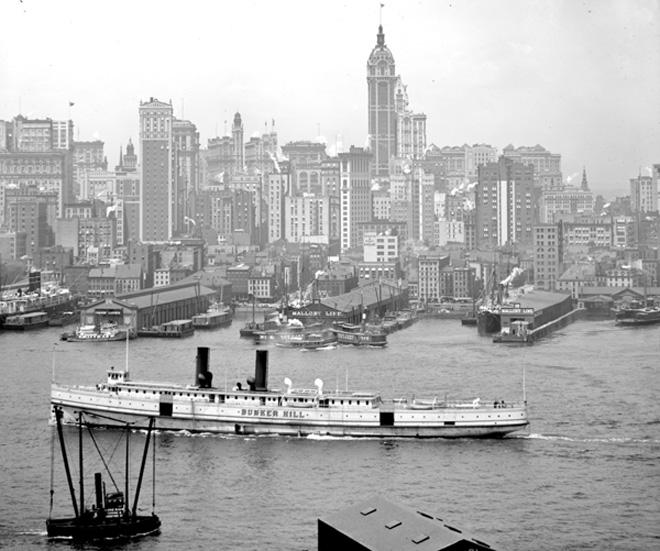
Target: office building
[(504, 203), (186, 173), (382, 117), (238, 150), (355, 194), (156, 171), (644, 194), (278, 187), (548, 255), (88, 158), (547, 166)]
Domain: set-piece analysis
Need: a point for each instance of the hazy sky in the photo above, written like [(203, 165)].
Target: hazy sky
[(581, 78)]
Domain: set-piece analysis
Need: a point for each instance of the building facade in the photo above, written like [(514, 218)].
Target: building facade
[(644, 194), (156, 171), (381, 83), (355, 194), (548, 255), (504, 203), (186, 174), (547, 166)]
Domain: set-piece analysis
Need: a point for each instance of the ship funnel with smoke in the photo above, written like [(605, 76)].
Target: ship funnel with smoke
[(514, 274)]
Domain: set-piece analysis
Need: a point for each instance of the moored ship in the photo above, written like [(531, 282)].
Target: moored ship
[(26, 322), (216, 316), (488, 320), (175, 329), (638, 316), (257, 409), (358, 335), (51, 300)]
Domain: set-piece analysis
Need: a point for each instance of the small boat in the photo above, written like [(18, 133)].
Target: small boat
[(251, 328), (358, 335), (276, 329), (257, 409), (26, 322), (61, 319), (109, 518), (405, 318), (215, 316), (105, 332), (638, 316), (488, 320), (175, 329), (305, 339), (518, 332)]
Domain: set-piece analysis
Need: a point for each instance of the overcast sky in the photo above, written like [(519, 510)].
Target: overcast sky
[(581, 78)]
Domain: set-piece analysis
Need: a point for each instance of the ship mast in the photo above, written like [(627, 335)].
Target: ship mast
[(144, 460), (80, 464), (67, 470)]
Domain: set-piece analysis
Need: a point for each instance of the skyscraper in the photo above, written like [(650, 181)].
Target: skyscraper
[(643, 194), (381, 84), (186, 185), (156, 174), (355, 194), (238, 143), (504, 203)]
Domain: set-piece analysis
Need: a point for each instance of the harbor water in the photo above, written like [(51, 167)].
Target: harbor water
[(586, 475)]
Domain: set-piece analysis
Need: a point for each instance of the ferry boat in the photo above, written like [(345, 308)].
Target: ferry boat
[(349, 333), (26, 322), (260, 410), (216, 316), (175, 329)]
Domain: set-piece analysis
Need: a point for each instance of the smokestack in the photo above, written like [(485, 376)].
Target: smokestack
[(261, 371), (98, 485), (203, 377)]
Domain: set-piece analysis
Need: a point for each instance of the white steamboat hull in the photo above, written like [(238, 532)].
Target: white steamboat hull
[(204, 417)]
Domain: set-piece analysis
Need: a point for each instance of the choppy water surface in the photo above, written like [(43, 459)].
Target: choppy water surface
[(585, 476)]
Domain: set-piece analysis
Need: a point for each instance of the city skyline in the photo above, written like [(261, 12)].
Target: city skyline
[(492, 72)]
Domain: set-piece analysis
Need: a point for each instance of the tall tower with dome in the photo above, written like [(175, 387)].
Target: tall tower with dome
[(381, 84)]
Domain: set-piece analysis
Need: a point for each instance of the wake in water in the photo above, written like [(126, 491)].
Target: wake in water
[(558, 438)]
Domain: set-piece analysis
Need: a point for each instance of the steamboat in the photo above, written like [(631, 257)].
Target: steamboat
[(259, 410)]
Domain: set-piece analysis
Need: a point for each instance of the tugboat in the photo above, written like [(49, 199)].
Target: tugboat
[(109, 518), (307, 339), (105, 332)]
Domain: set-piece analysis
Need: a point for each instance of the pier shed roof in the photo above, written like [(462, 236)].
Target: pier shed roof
[(147, 298), (539, 300), (365, 296), (378, 525)]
